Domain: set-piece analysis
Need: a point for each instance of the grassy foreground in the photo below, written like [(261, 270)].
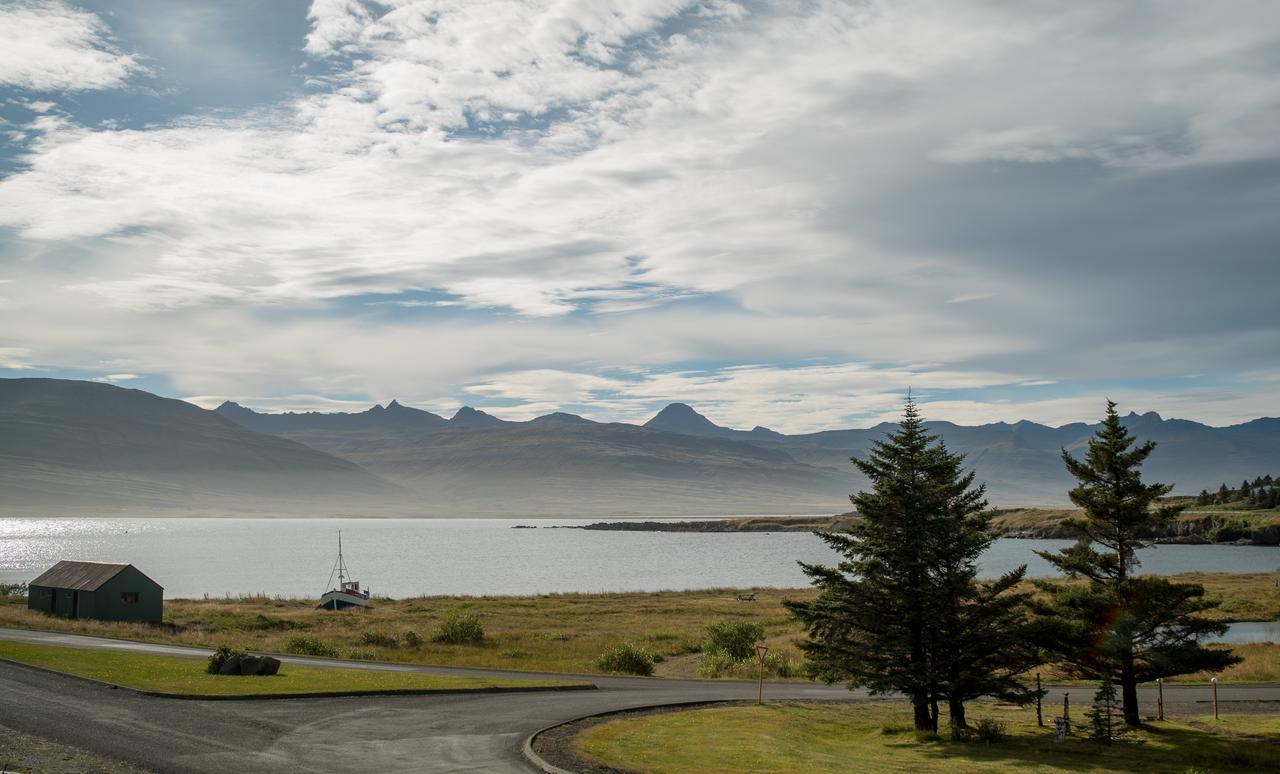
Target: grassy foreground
[(556, 632), (793, 737), (178, 675)]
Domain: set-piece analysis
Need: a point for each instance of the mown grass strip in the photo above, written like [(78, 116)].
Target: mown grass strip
[(875, 736), (186, 676)]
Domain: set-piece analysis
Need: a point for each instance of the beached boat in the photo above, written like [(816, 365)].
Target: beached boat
[(347, 593)]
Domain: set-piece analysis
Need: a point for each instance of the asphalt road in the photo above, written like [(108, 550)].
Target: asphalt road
[(480, 732)]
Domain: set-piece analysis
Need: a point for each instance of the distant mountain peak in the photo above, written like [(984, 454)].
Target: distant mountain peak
[(561, 418), (472, 417), (681, 418)]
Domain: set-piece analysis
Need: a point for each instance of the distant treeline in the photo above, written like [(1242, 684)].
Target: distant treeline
[(1262, 492)]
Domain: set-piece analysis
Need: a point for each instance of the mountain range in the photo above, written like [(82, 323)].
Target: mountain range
[(73, 446)]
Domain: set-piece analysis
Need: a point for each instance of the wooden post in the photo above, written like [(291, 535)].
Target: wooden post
[(1160, 698), (761, 650), (1039, 695), (1214, 680), (1066, 710)]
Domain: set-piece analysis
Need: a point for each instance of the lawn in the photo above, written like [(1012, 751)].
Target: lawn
[(178, 675), (874, 736), (554, 632)]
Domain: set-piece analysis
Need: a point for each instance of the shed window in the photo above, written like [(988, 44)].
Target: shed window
[(129, 597), (45, 592)]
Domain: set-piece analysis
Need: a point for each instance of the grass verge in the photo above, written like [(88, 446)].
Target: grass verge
[(186, 676), (874, 736)]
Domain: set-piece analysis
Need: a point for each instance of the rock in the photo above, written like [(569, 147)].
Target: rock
[(270, 666), (251, 665), (230, 667)]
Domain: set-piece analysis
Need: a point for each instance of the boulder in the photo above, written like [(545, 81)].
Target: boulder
[(270, 666), (251, 665), (230, 667)]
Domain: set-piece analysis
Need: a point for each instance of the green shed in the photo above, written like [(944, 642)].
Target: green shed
[(101, 590)]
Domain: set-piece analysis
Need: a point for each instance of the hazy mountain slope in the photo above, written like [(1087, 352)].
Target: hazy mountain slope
[(585, 468), (1021, 463), (81, 445)]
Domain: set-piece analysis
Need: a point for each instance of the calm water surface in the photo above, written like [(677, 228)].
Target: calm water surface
[(408, 557)]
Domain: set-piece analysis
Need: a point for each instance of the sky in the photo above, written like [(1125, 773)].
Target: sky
[(785, 214)]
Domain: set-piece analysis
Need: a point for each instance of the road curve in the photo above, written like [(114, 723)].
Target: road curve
[(477, 732)]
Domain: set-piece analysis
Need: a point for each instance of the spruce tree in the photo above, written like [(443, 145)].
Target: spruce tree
[(901, 612), (1137, 629)]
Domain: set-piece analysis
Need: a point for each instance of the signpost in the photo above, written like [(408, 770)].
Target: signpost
[(761, 650)]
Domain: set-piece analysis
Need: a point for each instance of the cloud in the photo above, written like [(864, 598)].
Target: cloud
[(53, 46), (537, 203), (111, 378)]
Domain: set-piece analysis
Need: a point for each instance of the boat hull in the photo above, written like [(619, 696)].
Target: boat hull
[(341, 600)]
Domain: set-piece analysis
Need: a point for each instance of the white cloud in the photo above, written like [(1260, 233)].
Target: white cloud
[(50, 45), (116, 378)]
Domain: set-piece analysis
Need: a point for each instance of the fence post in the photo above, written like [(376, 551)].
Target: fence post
[(1160, 698), (1066, 710), (1039, 695), (1214, 680)]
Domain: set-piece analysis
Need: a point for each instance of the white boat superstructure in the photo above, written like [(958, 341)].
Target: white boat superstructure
[(347, 593)]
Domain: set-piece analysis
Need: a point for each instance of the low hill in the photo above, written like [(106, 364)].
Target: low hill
[(73, 446)]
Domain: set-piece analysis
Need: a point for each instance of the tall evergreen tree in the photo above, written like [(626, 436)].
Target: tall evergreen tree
[(902, 612), (1136, 629)]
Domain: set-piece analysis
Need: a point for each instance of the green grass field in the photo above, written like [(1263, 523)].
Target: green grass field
[(178, 675), (793, 737)]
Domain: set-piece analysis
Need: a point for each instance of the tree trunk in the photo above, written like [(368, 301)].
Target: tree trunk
[(1129, 689), (933, 712), (955, 708), (920, 701)]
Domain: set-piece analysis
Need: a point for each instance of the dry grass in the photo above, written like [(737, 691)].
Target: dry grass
[(554, 633), (557, 632)]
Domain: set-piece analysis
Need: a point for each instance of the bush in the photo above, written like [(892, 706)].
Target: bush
[(459, 629), (309, 646), (13, 589), (379, 639), (717, 663), (412, 639), (736, 638), (222, 655), (988, 731), (627, 659)]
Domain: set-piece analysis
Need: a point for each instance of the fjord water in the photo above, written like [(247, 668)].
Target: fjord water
[(409, 557)]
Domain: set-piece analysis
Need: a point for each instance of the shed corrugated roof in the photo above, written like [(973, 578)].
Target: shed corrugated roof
[(78, 576)]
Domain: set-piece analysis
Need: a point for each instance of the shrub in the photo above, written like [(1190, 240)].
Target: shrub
[(736, 638), (412, 639), (459, 629), (222, 655), (13, 589), (379, 639), (988, 731), (716, 663), (628, 659), (309, 646)]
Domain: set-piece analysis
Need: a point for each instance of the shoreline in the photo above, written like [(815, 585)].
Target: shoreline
[(1260, 528)]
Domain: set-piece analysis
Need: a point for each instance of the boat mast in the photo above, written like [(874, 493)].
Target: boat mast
[(342, 566)]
